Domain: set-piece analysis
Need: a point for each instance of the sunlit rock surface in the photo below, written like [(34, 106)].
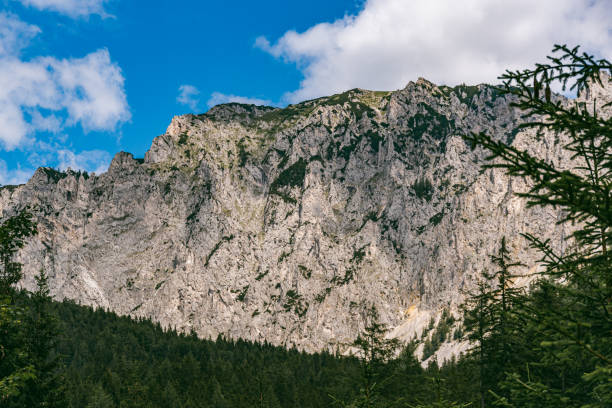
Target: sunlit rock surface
[(286, 225)]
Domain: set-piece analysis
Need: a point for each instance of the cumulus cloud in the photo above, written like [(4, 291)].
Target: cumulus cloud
[(217, 98), (391, 42), (189, 95), (72, 8), (47, 94), (92, 89)]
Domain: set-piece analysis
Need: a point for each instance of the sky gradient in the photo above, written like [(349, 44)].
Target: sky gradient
[(83, 79)]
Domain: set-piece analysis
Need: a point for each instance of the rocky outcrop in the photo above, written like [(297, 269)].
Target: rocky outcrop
[(288, 224)]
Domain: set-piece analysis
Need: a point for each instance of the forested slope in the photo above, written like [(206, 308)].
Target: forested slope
[(113, 361)]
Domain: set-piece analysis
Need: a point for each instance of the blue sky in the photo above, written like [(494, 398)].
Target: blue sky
[(83, 79)]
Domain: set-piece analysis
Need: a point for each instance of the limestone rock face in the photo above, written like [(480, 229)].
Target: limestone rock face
[(288, 224)]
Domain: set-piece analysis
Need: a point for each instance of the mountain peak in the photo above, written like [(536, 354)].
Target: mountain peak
[(256, 222)]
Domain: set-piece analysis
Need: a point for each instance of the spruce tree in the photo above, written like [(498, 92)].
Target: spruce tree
[(490, 324), (13, 233), (567, 316), (41, 333), (16, 368), (478, 324), (374, 351), (439, 401), (100, 398)]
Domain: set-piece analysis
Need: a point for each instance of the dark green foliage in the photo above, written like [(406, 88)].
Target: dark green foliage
[(429, 348), (41, 333), (423, 188), (439, 335), (13, 233), (17, 370), (28, 366), (112, 361), (386, 379), (349, 99), (242, 295), (370, 216), (284, 158), (374, 351), (115, 361), (261, 275), (490, 324), (243, 155), (436, 383), (316, 158), (54, 175), (435, 220), (547, 347), (293, 176), (349, 274), (100, 398), (466, 93), (216, 247), (375, 140), (558, 350), (284, 255), (183, 139), (321, 296), (358, 255), (458, 333), (293, 300), (304, 271), (193, 216), (291, 112), (431, 122), (347, 150)]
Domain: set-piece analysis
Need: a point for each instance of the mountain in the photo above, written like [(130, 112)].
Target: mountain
[(286, 225)]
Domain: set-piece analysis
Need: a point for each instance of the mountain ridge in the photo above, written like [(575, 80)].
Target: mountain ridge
[(286, 225)]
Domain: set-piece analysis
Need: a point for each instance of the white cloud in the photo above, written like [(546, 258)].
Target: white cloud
[(46, 93), (14, 34), (72, 8), (89, 160), (56, 156), (391, 42), (92, 89), (14, 176), (188, 95), (217, 98)]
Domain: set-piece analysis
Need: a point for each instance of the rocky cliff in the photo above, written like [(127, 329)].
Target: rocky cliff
[(287, 224)]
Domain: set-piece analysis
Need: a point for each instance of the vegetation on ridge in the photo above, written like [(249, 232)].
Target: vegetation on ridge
[(549, 346)]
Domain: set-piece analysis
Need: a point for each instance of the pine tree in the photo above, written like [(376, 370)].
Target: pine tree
[(478, 324), (490, 324), (567, 315), (13, 233), (15, 367), (439, 400), (41, 332), (100, 398), (374, 351)]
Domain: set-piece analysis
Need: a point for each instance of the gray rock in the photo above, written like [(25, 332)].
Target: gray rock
[(285, 225)]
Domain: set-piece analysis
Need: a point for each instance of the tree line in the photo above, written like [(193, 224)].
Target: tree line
[(545, 345)]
